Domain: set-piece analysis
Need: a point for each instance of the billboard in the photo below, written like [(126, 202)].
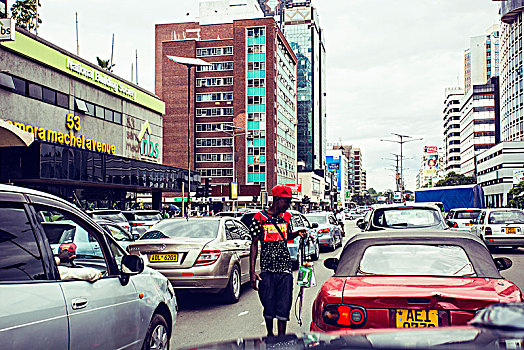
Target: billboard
[(431, 149), (518, 176), (333, 164), (295, 188)]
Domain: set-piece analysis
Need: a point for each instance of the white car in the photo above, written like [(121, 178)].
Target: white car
[(500, 227), (461, 218)]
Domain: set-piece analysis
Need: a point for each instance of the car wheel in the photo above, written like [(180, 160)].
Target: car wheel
[(157, 336), (232, 291), (316, 255)]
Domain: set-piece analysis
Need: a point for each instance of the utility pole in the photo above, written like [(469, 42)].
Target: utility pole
[(402, 141), (77, 45)]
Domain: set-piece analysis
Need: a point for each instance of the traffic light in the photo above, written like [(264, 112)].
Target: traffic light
[(207, 188), (255, 199), (200, 191)]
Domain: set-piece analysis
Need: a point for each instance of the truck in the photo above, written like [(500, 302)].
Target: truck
[(464, 196)]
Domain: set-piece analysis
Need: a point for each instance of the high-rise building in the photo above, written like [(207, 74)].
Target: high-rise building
[(478, 124), (481, 59), (511, 80), (451, 123), (300, 23), (357, 155), (347, 151), (248, 91)]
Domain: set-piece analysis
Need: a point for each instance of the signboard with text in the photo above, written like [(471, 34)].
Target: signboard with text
[(333, 164), (518, 176), (295, 188), (7, 29), (430, 149)]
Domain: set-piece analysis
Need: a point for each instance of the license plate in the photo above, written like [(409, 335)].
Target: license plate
[(163, 257), (409, 318), (511, 230), (468, 225)]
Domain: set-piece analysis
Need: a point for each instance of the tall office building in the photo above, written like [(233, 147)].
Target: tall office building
[(511, 81), (249, 90), (300, 23), (481, 59), (451, 123)]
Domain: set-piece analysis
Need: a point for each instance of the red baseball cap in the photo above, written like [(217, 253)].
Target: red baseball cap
[(282, 191)]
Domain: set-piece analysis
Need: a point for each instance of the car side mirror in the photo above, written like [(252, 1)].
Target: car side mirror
[(331, 263), (361, 225), (503, 263), (314, 225), (132, 265)]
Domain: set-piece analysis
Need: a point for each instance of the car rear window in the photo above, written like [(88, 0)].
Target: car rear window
[(319, 219), (406, 217), (59, 233), (506, 217), (148, 216), (197, 228), (113, 217), (467, 214), (416, 260)]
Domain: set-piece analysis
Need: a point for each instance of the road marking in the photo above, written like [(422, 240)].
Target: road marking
[(243, 313)]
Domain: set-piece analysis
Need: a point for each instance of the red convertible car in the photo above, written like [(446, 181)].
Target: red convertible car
[(406, 279)]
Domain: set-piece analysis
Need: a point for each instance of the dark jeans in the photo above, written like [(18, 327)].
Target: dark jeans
[(276, 294)]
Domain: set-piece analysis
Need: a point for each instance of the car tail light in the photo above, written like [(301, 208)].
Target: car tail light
[(67, 246), (455, 225), (207, 257), (137, 223), (343, 315), (324, 230), (290, 241), (487, 231)]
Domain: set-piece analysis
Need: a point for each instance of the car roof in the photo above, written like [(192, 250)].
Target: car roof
[(24, 190), (475, 248), (106, 211), (401, 205)]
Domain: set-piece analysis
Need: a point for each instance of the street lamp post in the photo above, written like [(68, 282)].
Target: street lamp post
[(233, 134), (402, 142), (189, 63)]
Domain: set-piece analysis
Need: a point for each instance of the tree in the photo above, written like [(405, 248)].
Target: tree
[(25, 14), (454, 179), (105, 64), (517, 196)]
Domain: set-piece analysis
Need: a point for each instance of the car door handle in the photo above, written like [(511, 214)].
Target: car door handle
[(78, 303)]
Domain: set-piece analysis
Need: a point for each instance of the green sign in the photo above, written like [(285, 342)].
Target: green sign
[(348, 194), (53, 58)]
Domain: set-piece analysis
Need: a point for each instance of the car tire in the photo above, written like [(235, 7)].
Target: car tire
[(157, 336), (232, 291), (316, 255)]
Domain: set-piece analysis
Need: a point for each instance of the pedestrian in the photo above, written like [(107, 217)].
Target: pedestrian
[(341, 218), (272, 227)]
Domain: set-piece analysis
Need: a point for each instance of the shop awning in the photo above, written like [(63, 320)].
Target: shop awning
[(11, 135)]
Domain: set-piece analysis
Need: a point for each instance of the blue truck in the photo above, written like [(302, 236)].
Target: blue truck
[(465, 196)]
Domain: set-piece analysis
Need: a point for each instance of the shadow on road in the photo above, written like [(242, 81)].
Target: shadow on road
[(189, 301)]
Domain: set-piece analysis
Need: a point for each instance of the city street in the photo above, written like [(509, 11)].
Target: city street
[(204, 319)]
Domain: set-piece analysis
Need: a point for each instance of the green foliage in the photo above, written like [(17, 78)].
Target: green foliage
[(517, 196), (104, 64), (25, 14), (454, 179)]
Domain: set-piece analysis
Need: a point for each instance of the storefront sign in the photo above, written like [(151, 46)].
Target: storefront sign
[(147, 147), (68, 139), (233, 191), (7, 29), (295, 188)]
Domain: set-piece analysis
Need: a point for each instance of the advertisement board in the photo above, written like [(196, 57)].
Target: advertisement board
[(431, 149), (295, 188), (518, 176), (7, 29), (233, 191), (333, 164)]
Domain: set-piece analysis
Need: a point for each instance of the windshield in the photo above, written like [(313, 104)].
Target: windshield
[(197, 228), (416, 260), (467, 214), (506, 217), (118, 233), (408, 217), (148, 217), (319, 219), (113, 217)]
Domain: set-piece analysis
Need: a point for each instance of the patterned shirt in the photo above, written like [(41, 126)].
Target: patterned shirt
[(274, 255)]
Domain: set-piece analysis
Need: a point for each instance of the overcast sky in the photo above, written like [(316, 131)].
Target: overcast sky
[(388, 61)]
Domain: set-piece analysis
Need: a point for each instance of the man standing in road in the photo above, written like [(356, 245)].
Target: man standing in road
[(272, 227)]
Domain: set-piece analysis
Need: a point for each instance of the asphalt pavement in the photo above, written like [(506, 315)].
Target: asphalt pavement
[(204, 318)]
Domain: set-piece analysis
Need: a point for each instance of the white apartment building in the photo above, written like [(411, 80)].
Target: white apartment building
[(478, 123), (481, 59), (511, 94), (451, 123)]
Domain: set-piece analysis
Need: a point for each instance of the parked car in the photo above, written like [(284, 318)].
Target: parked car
[(115, 216), (312, 244), (398, 216), (460, 219), (199, 254), (500, 227), (232, 214), (410, 278), (353, 214), (141, 220), (130, 306), (123, 237), (329, 232)]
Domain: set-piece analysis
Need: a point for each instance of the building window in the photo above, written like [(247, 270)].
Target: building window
[(214, 51), (217, 66), (214, 112), (48, 95), (214, 96), (35, 91)]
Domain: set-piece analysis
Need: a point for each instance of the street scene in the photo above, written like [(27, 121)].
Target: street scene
[(253, 174)]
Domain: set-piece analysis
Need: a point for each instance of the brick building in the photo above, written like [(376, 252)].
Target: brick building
[(251, 85)]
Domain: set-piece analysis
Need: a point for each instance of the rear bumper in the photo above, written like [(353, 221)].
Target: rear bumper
[(512, 240), (325, 241)]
